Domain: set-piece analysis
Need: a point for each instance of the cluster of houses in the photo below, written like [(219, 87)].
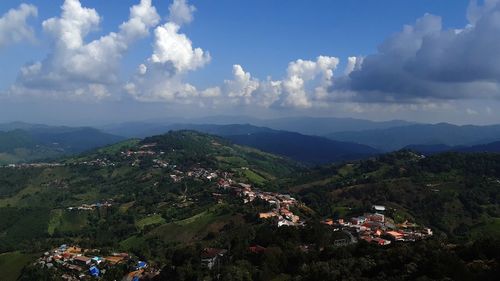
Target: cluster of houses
[(376, 228), (145, 151), (33, 165), (98, 162), (91, 207), (280, 203), (195, 173), (74, 263), (202, 173)]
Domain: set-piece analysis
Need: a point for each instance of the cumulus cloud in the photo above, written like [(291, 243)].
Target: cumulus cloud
[(301, 72), (161, 78), (242, 86), (175, 49), (245, 89), (181, 12), (427, 62), (79, 69), (423, 65), (14, 26), (353, 63), (306, 82)]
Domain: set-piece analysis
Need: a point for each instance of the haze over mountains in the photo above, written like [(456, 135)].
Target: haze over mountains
[(21, 142), (429, 134), (439, 148), (309, 140), (305, 125)]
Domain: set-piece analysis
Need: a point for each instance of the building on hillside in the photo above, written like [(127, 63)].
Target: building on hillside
[(340, 242), (375, 217), (82, 260), (210, 257), (283, 222), (267, 215), (358, 220), (394, 235), (378, 208), (257, 249)]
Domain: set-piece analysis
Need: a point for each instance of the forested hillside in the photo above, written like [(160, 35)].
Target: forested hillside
[(172, 199)]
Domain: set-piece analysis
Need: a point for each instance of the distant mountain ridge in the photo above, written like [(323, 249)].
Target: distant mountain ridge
[(20, 142), (493, 147), (302, 148), (422, 134), (305, 125)]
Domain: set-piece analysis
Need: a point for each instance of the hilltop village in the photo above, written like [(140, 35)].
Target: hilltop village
[(371, 227), (280, 203)]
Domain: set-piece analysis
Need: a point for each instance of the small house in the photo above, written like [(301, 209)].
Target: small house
[(211, 257)]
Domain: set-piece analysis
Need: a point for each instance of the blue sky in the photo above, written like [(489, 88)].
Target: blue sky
[(262, 37)]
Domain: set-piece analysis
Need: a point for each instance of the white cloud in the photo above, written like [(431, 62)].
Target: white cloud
[(181, 12), (425, 62), (14, 27), (142, 69), (353, 63), (305, 84), (213, 92), (175, 49), (301, 72), (242, 86), (77, 68), (161, 78), (142, 17), (74, 24)]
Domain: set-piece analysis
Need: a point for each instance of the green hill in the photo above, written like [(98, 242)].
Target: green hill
[(454, 193), (37, 142), (158, 199)]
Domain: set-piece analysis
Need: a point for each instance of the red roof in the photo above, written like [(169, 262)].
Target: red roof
[(256, 249), (82, 258), (212, 253)]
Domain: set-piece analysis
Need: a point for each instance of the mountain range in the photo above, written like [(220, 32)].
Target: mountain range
[(20, 142), (303, 148), (395, 138), (439, 148), (305, 125), (309, 140)]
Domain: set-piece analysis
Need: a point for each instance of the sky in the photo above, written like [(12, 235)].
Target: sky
[(91, 62)]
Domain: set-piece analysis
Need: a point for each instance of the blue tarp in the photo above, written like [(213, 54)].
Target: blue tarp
[(94, 271), (141, 264)]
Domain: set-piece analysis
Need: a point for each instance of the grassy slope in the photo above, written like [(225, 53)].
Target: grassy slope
[(12, 263), (150, 220)]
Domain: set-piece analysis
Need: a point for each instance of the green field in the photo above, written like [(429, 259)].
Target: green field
[(254, 177), (66, 221), (491, 227), (154, 219), (193, 227), (11, 264)]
